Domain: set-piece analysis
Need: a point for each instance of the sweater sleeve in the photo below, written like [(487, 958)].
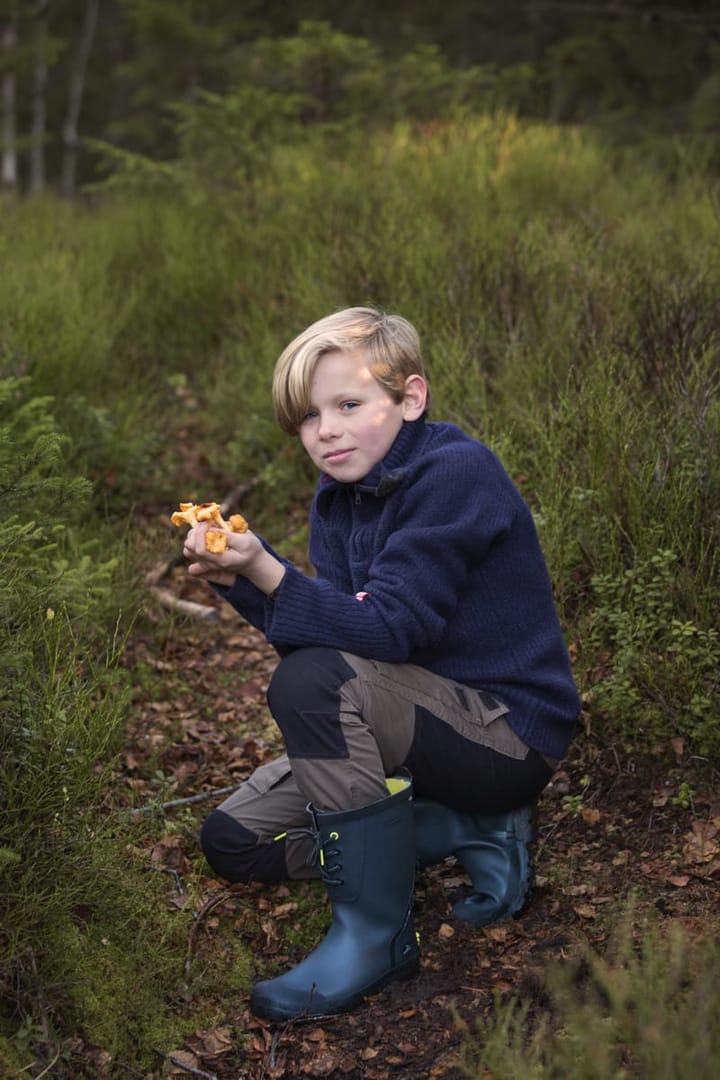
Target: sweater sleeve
[(247, 599), (447, 516)]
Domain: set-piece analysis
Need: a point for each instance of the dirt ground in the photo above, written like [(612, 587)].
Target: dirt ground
[(612, 823)]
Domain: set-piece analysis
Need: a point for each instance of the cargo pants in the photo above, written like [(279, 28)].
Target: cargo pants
[(348, 723)]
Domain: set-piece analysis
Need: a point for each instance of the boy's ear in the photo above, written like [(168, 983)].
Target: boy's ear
[(415, 399)]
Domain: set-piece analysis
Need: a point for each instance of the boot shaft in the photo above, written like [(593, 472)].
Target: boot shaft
[(359, 848), (367, 861)]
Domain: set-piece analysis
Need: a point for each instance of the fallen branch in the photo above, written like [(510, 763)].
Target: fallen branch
[(204, 910), (182, 1065), (185, 607), (236, 496), (162, 569), (47, 1068), (184, 802)]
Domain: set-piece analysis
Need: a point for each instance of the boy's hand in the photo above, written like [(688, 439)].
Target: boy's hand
[(241, 550), (211, 512), (244, 556)]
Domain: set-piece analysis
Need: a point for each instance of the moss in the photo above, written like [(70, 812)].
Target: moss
[(115, 975), (14, 1061), (312, 918)]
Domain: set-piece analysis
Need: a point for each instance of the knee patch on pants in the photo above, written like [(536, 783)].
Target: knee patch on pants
[(234, 853), (304, 698)]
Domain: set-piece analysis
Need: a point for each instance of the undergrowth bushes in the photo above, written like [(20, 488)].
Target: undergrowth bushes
[(62, 706), (648, 1009), (87, 947)]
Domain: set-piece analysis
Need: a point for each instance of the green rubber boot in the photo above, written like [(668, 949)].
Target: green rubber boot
[(493, 849), (367, 862)]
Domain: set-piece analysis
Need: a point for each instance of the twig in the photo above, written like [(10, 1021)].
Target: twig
[(184, 802), (273, 1048), (129, 1069), (187, 607), (237, 495), (186, 1068), (47, 1068), (204, 910), (173, 873), (270, 1060), (544, 841), (162, 569)]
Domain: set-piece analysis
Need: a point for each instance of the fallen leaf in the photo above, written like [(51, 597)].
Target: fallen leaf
[(324, 1065), (283, 910), (702, 843), (454, 882), (496, 933), (216, 1041)]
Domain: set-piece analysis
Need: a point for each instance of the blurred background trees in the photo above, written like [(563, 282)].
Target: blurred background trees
[(75, 72)]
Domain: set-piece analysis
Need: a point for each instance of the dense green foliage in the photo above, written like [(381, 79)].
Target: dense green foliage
[(62, 705), (85, 943), (115, 71), (567, 301)]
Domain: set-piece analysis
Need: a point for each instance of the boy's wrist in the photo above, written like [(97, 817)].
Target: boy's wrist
[(267, 574)]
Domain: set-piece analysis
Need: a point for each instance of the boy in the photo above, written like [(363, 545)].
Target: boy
[(424, 690)]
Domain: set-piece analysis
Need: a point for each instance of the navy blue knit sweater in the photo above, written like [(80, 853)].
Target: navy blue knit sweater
[(445, 549)]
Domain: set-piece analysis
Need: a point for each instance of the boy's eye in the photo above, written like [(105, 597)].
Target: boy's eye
[(348, 405), (309, 415)]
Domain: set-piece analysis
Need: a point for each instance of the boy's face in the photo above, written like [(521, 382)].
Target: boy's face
[(352, 421)]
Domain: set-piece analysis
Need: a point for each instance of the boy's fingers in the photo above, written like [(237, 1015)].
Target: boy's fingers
[(197, 569), (211, 574)]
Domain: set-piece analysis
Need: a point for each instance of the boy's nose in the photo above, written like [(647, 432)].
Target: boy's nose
[(327, 428)]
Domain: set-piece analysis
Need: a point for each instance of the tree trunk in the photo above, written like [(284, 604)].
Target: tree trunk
[(9, 151), (71, 138), (39, 92)]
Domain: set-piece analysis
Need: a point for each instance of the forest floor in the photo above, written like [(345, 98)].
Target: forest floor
[(611, 824)]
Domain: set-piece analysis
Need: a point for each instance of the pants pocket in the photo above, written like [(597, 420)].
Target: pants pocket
[(266, 777)]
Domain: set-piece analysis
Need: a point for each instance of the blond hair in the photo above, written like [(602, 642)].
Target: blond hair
[(391, 342)]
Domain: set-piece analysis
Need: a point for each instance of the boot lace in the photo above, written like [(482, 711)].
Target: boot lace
[(325, 850), (322, 850)]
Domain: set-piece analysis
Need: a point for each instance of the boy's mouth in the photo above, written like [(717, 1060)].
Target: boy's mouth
[(336, 456)]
